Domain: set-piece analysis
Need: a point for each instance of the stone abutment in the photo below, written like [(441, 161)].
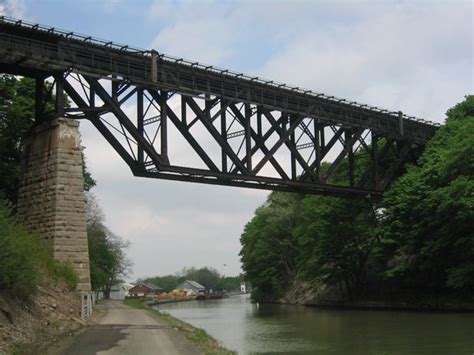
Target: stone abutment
[(51, 197)]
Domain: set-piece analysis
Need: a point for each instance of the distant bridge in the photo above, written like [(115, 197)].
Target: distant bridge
[(240, 130)]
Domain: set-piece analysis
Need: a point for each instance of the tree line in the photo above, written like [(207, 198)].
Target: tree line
[(417, 240), (22, 249), (210, 278)]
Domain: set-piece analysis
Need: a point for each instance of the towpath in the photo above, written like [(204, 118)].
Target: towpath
[(126, 330)]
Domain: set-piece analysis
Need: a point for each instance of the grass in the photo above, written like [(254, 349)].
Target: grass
[(207, 344), (25, 261)]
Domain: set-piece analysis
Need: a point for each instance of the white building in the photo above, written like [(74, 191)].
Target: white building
[(191, 287), (120, 291)]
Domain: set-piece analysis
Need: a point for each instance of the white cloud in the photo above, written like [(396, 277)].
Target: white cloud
[(388, 54), (13, 8), (413, 56)]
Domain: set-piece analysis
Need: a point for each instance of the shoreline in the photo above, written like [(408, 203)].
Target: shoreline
[(206, 343), (377, 306), (394, 306)]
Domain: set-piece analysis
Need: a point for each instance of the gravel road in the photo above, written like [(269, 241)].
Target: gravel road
[(126, 330)]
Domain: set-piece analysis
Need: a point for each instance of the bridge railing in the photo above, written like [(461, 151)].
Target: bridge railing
[(106, 58)]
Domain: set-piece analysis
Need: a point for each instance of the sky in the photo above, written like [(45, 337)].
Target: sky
[(413, 56)]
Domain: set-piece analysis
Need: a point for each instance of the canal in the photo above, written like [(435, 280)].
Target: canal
[(270, 329)]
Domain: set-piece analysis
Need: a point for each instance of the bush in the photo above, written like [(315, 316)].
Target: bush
[(20, 257), (63, 271), (24, 260)]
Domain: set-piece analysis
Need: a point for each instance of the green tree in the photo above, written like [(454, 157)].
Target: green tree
[(107, 258), (270, 247), (336, 237), (17, 102), (429, 212), (16, 117)]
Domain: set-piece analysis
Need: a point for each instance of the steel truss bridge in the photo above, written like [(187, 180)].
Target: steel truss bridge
[(238, 130)]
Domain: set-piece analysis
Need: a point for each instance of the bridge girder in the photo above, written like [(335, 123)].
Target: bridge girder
[(239, 132)]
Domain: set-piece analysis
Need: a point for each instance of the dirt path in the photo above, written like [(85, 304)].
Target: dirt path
[(126, 330)]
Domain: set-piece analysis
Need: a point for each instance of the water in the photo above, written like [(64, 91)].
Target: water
[(276, 329)]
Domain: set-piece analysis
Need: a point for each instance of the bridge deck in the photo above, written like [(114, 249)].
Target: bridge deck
[(275, 124), (41, 48)]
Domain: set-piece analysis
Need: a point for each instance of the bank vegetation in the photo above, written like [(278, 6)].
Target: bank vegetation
[(414, 248)]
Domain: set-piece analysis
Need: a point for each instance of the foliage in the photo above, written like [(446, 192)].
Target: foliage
[(20, 257), (16, 117), (270, 247), (430, 210), (17, 111), (208, 277), (230, 283), (419, 237), (336, 245), (107, 259), (62, 271), (24, 260)]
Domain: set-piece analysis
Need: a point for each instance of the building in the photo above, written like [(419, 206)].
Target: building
[(245, 287), (120, 291), (144, 290), (191, 287)]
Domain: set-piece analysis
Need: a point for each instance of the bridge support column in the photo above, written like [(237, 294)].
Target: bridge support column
[(51, 197)]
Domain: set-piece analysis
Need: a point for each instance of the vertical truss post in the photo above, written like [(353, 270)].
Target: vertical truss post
[(207, 107), (91, 97), (39, 98), (283, 120), (400, 122), (154, 66), (248, 137), (292, 155), (115, 88), (317, 147), (59, 105), (259, 122), (140, 123), (321, 133), (164, 124), (183, 111), (348, 135), (375, 161), (224, 134)]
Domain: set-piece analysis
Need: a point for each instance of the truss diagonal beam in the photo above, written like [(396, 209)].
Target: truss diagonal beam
[(216, 135), (122, 117), (259, 144)]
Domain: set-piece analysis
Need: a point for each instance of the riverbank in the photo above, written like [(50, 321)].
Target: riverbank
[(197, 336), (316, 295)]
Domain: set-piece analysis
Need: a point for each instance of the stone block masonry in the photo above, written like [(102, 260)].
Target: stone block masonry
[(51, 199)]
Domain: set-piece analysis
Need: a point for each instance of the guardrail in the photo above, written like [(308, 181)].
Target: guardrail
[(66, 49)]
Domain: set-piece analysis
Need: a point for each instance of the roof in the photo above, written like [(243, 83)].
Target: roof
[(195, 284), (153, 287)]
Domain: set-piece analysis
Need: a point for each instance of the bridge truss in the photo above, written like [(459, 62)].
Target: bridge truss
[(169, 118)]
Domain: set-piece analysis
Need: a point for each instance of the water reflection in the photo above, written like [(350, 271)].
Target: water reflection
[(278, 329)]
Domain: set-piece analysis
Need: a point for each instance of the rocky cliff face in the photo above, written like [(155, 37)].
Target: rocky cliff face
[(26, 326), (311, 293), (316, 294)]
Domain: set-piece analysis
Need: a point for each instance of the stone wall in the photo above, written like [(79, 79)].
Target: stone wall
[(51, 197)]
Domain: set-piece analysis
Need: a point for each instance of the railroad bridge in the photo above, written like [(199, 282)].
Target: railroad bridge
[(239, 130)]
